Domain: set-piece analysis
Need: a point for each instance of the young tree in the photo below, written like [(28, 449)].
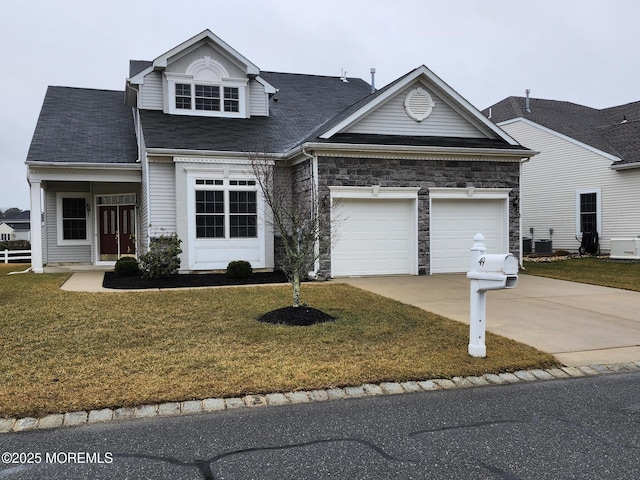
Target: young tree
[(295, 217)]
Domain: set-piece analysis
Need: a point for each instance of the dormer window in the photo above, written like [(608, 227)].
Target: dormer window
[(206, 89), (207, 97)]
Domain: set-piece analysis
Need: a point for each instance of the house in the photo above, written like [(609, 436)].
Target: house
[(587, 174), (17, 227), (416, 169)]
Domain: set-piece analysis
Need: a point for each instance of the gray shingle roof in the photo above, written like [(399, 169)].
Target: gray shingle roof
[(78, 125), (303, 102), (614, 130), (136, 66)]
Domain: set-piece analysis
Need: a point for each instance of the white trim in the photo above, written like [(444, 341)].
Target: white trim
[(375, 192), (613, 158), (61, 242), (241, 84), (598, 192), (625, 166), (162, 61), (470, 193), (416, 152), (224, 246), (84, 172), (459, 103)]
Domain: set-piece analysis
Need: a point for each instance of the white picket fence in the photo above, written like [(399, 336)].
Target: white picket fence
[(15, 255)]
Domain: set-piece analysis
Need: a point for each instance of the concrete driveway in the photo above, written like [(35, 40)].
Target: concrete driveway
[(580, 324)]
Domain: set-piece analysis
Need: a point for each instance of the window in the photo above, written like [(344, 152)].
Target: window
[(183, 96), (210, 214), (242, 208), (226, 208), (207, 98), (588, 212), (231, 99), (74, 219)]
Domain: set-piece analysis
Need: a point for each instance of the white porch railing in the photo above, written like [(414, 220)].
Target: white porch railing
[(7, 255)]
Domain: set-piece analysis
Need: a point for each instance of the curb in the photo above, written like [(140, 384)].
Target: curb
[(191, 407)]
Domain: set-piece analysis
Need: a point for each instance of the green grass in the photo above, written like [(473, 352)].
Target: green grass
[(593, 270), (65, 351)]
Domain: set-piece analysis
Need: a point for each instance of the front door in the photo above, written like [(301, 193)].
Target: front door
[(117, 231)]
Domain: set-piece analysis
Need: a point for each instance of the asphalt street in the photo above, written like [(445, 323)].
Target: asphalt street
[(586, 428)]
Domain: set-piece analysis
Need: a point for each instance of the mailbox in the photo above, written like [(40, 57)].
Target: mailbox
[(496, 271), (487, 272)]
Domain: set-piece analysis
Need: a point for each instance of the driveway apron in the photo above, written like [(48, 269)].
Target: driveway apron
[(578, 323)]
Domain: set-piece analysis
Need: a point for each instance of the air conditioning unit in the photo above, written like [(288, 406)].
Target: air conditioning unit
[(625, 248)]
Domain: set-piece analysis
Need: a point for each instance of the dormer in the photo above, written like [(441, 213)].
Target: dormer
[(201, 77)]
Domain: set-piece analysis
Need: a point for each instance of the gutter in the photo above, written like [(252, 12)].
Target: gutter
[(315, 197), (413, 149), (90, 166), (172, 152), (625, 166)]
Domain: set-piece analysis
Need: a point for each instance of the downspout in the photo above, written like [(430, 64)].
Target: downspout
[(314, 204)]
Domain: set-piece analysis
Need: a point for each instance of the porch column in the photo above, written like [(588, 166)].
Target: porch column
[(36, 228)]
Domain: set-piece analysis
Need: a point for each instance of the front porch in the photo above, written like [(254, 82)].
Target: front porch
[(91, 217)]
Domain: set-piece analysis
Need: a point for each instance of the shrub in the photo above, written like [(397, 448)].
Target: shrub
[(163, 257), (127, 267), (239, 269)]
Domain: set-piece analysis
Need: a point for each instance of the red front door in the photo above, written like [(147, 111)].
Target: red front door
[(127, 231), (117, 231)]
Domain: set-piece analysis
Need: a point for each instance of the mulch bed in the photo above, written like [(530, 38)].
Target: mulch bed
[(111, 280), (296, 316)]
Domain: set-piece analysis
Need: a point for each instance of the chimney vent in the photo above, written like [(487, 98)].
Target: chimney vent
[(373, 80), (527, 105)]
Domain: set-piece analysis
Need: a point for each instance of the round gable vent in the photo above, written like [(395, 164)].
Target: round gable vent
[(418, 104)]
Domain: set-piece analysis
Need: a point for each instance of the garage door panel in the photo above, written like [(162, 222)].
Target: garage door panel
[(454, 223), (374, 237)]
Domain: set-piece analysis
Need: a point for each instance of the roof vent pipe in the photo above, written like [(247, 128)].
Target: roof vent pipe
[(527, 107), (373, 80)]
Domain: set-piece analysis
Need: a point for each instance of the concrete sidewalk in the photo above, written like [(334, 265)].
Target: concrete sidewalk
[(580, 324)]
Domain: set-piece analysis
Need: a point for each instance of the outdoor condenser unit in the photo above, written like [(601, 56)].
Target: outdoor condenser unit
[(625, 248)]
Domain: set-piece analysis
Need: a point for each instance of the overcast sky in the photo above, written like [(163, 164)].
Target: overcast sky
[(583, 51)]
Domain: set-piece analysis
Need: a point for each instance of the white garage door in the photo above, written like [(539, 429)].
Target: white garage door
[(375, 237), (454, 223)]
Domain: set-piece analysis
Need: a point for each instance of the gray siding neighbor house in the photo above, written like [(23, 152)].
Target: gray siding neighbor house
[(416, 170)]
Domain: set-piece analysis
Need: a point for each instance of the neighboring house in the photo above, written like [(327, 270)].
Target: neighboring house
[(16, 228), (587, 175), (417, 170)]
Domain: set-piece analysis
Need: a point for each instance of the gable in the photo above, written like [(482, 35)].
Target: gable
[(201, 77), (417, 110), (539, 137), (414, 98)]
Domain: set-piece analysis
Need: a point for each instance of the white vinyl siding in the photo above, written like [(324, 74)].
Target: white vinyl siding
[(392, 119), (551, 180), (258, 100), (162, 198), (151, 92)]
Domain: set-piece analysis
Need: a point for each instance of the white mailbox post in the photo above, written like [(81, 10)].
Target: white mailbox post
[(488, 272)]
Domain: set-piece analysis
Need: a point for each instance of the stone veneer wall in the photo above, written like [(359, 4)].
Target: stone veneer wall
[(363, 172), (300, 182)]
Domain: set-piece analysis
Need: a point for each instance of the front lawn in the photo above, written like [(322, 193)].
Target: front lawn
[(65, 351), (594, 270)]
